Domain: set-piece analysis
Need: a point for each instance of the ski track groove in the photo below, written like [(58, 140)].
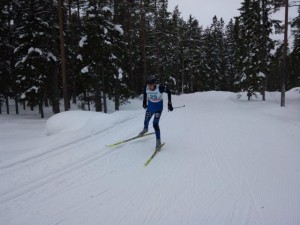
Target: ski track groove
[(67, 146), (225, 167), (243, 183), (53, 152), (33, 184)]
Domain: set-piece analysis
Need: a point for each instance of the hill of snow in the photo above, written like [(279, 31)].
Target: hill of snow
[(226, 161)]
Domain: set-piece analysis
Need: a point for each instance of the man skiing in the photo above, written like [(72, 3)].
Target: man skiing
[(154, 93)]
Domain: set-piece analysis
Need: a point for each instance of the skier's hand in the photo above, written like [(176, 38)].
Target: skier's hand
[(170, 107), (144, 104)]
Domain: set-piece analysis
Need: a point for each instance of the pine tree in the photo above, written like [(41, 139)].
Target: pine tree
[(256, 28), (7, 14), (274, 84), (183, 56), (176, 27), (53, 87), (214, 54), (134, 50), (249, 22), (294, 58), (100, 51), (161, 55), (33, 52), (231, 72), (194, 58), (73, 33)]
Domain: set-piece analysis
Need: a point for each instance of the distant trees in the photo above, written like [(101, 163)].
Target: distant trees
[(294, 58), (111, 46)]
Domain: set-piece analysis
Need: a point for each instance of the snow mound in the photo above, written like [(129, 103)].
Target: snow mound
[(71, 121), (85, 121), (293, 93)]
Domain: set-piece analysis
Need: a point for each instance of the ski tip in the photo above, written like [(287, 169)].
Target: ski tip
[(112, 145)]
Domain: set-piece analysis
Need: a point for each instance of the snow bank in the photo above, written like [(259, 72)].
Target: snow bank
[(85, 121), (67, 121), (294, 93)]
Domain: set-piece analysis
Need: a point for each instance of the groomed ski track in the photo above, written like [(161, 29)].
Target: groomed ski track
[(209, 172)]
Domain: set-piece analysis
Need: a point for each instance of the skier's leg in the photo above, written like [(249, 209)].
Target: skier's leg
[(148, 116), (156, 127)]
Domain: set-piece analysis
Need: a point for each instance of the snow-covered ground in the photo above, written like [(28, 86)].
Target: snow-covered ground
[(226, 161)]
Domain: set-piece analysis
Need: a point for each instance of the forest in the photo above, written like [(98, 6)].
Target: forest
[(55, 52)]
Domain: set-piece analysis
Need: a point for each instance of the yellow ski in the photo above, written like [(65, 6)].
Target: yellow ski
[(130, 139), (154, 154)]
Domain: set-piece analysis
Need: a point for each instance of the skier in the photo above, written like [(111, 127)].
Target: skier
[(154, 93)]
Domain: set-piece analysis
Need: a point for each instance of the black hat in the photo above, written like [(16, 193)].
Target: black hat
[(151, 79)]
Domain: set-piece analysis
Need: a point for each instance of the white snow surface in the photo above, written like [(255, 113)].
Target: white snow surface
[(226, 161)]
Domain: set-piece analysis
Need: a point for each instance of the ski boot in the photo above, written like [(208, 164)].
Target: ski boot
[(144, 131), (158, 143)]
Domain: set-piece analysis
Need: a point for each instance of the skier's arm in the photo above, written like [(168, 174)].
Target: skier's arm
[(145, 98), (169, 95), (145, 94), (166, 90)]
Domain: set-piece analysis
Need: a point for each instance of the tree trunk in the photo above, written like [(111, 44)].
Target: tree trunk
[(97, 99), (63, 55), (41, 109), (117, 83), (89, 104), (7, 104), (55, 91), (129, 25), (285, 43), (104, 89), (117, 95), (143, 42), (182, 76), (264, 54), (17, 106), (54, 79), (104, 103)]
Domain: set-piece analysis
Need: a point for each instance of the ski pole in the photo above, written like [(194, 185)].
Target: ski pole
[(176, 107)]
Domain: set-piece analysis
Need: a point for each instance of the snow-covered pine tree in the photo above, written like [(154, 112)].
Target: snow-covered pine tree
[(33, 50), (249, 34), (73, 33), (231, 72), (175, 26), (214, 54), (7, 41), (100, 51), (160, 55), (255, 42), (294, 62), (195, 60)]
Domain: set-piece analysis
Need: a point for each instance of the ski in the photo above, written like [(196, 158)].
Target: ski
[(177, 107), (154, 154), (130, 139)]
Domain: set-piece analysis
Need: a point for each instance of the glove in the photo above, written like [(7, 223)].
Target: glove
[(170, 107), (144, 104)]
